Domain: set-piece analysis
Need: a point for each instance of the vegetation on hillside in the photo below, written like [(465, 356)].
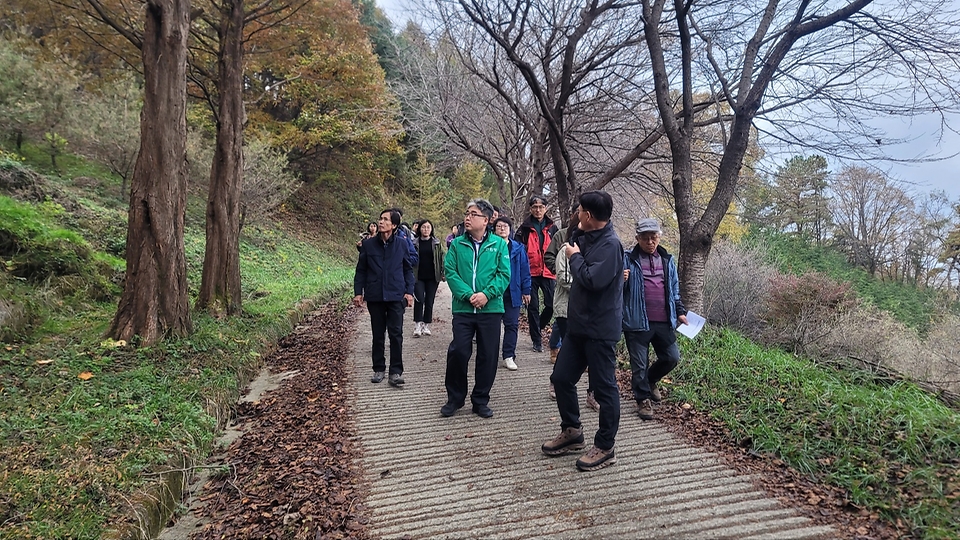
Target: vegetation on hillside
[(87, 422)]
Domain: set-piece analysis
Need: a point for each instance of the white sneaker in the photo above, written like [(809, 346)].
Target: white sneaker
[(418, 330), (509, 363), (426, 329)]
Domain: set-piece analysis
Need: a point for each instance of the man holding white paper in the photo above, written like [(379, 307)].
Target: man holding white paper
[(651, 311)]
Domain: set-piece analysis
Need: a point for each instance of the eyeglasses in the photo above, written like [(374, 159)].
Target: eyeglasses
[(538, 206), (473, 215)]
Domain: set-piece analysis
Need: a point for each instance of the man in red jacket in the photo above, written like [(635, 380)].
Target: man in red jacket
[(535, 234)]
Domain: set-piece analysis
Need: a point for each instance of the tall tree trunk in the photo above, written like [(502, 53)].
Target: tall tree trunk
[(154, 301), (220, 285)]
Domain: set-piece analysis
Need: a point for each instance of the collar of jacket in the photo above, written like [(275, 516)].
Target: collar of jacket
[(636, 251), (547, 222), (391, 239), (465, 237)]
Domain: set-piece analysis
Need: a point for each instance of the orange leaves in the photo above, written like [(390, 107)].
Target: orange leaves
[(85, 376)]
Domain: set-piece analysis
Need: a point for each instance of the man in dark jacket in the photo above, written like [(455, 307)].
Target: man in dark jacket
[(535, 234), (384, 279), (594, 316)]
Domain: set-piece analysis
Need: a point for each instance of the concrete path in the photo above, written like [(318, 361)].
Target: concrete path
[(467, 477)]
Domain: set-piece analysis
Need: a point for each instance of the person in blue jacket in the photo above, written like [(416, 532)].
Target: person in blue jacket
[(384, 279), (517, 294), (651, 309)]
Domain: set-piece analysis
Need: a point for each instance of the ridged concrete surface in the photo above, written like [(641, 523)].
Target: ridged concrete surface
[(467, 477)]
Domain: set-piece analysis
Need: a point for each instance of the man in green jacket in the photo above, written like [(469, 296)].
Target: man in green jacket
[(477, 267)]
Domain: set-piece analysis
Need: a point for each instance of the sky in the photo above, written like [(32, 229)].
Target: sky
[(942, 175)]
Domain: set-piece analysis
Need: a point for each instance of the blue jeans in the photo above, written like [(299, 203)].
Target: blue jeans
[(511, 326), (577, 354), (559, 329), (387, 317), (664, 340), (486, 327)]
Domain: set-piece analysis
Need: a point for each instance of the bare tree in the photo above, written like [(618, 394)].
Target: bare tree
[(453, 109), (870, 215), (578, 65), (765, 60), (927, 237)]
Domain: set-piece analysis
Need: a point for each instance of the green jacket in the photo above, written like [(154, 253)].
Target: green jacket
[(486, 270)]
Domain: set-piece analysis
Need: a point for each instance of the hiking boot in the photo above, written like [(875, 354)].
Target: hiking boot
[(553, 392), (450, 408), (553, 355), (377, 376), (537, 347), (396, 379), (426, 329), (418, 330), (655, 393), (592, 402), (569, 439), (645, 409), (596, 459), (483, 411), (509, 363)]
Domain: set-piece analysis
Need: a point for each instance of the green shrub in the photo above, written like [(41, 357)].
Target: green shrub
[(35, 250)]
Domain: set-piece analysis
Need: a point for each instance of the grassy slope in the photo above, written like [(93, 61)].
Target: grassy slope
[(84, 422), (892, 446)]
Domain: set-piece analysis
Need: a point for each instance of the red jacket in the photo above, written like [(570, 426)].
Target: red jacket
[(527, 235)]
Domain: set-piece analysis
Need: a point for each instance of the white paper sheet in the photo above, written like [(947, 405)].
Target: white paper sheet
[(694, 325)]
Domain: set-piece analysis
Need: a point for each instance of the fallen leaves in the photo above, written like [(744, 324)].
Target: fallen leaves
[(294, 473), (85, 376)]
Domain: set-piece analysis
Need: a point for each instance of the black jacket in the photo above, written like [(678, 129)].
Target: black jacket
[(384, 272), (596, 296)]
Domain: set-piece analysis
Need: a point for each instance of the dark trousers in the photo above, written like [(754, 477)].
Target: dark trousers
[(535, 318), (486, 328), (559, 329), (577, 354), (511, 326), (664, 340), (424, 294), (387, 318)]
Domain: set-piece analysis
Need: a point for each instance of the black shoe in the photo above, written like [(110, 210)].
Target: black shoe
[(537, 347), (396, 379), (377, 376), (483, 411), (450, 408)]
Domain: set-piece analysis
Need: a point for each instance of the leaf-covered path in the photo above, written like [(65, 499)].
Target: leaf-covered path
[(330, 455)]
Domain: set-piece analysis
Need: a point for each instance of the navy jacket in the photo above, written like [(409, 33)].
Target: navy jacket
[(596, 296), (384, 272)]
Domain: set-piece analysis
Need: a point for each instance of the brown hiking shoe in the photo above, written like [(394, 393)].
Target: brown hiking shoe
[(592, 402), (553, 355), (568, 439), (655, 393), (596, 459), (645, 409)]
